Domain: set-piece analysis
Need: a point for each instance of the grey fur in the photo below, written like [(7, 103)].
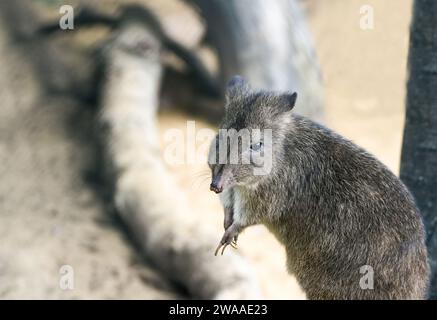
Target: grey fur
[(332, 205)]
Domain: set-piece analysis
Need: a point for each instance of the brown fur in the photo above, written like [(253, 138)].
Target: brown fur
[(334, 206)]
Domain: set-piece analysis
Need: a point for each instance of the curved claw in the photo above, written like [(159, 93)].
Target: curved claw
[(224, 247), (229, 239), (217, 250)]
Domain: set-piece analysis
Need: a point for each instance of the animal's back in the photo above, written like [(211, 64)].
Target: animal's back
[(341, 214)]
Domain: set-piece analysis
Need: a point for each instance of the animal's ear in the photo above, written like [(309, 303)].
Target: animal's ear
[(289, 100), (236, 86)]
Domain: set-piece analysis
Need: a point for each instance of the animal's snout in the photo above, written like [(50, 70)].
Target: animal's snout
[(216, 183), (214, 187)]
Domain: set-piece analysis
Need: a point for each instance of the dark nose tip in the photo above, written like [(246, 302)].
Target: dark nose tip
[(213, 187)]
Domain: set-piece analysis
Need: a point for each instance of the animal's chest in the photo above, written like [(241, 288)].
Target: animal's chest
[(239, 205), (247, 206)]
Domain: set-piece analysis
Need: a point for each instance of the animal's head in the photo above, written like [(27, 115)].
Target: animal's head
[(250, 138)]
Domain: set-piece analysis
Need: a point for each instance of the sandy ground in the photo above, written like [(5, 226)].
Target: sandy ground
[(41, 228)]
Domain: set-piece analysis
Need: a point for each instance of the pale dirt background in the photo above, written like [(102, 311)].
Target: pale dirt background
[(50, 217)]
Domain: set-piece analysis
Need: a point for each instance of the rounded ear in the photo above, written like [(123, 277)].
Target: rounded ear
[(290, 100), (236, 86)]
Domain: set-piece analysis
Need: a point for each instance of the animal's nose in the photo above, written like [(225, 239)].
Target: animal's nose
[(216, 185), (215, 188), (217, 180)]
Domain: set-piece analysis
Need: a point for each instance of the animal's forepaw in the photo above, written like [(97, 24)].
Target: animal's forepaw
[(229, 238)]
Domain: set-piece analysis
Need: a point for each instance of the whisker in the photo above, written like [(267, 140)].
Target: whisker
[(200, 182), (202, 172)]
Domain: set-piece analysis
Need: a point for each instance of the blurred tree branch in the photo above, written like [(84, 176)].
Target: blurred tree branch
[(196, 76)]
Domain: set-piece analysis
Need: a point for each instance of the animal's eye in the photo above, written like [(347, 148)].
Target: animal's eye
[(256, 146)]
